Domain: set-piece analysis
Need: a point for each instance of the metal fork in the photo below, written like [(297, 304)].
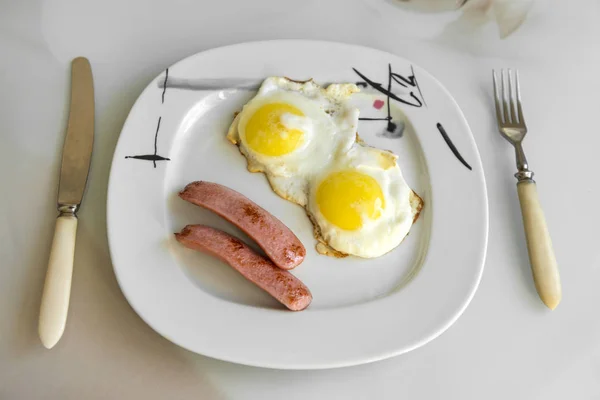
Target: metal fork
[(511, 125)]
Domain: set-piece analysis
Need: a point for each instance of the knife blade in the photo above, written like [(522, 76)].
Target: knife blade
[(77, 150), (76, 157)]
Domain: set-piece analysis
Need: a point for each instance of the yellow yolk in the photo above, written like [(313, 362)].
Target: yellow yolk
[(266, 134), (346, 197)]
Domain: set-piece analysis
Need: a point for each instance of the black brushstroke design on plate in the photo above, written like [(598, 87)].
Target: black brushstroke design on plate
[(155, 157), (152, 157), (414, 77), (401, 80), (395, 133), (397, 130), (452, 147), (393, 129), (165, 85)]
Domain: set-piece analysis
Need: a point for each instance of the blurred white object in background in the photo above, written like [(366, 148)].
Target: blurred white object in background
[(508, 15)]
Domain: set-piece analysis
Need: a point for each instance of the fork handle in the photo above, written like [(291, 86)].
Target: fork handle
[(539, 245)]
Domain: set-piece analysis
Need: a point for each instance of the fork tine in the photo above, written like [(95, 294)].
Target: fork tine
[(497, 98), (507, 119), (511, 97), (519, 110)]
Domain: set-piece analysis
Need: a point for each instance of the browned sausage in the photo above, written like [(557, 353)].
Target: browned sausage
[(280, 284), (277, 240)]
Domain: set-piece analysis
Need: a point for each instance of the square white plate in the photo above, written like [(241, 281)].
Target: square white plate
[(363, 310)]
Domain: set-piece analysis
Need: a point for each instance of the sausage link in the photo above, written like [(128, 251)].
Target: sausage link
[(280, 284), (277, 240)]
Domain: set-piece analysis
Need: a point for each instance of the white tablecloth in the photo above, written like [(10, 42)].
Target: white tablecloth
[(506, 345)]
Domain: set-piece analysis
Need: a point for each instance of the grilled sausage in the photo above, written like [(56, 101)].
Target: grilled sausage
[(277, 240), (280, 284)]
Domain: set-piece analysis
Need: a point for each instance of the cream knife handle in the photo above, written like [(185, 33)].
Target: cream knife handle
[(539, 245), (57, 289)]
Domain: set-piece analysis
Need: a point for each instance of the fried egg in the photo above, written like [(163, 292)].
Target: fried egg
[(304, 138), (290, 130), (361, 204)]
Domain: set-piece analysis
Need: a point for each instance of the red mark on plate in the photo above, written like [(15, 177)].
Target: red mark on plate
[(378, 104)]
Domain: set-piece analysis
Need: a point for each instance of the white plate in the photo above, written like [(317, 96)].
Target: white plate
[(363, 310)]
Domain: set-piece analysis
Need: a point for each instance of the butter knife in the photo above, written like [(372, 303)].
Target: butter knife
[(77, 153)]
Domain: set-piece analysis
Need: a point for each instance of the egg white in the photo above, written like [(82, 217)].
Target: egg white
[(376, 236), (330, 144), (329, 125)]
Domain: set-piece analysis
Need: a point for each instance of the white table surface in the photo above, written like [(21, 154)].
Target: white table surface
[(506, 345)]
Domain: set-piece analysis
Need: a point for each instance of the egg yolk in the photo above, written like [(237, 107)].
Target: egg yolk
[(266, 134), (346, 197)]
